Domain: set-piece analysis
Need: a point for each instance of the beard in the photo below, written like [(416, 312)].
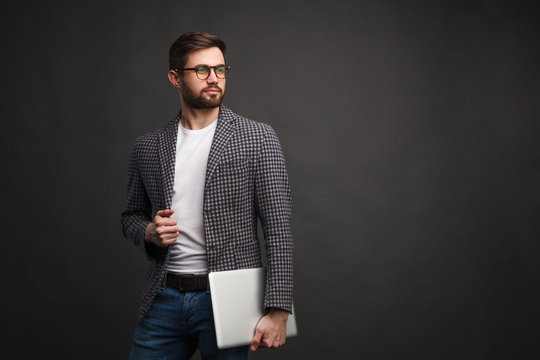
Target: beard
[(201, 100)]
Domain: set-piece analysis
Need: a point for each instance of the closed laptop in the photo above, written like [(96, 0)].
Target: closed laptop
[(237, 303)]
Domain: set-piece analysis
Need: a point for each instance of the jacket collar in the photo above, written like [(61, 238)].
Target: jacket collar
[(224, 129)]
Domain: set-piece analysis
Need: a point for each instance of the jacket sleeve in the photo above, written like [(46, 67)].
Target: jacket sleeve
[(137, 213), (273, 206)]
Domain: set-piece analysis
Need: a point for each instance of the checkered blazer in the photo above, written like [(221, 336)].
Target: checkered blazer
[(246, 180)]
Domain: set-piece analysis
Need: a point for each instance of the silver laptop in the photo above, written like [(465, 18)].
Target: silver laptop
[(237, 302)]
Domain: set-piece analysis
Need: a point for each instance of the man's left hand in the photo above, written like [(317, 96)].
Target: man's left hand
[(271, 330)]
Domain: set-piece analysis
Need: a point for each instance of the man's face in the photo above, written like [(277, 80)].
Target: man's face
[(203, 94)]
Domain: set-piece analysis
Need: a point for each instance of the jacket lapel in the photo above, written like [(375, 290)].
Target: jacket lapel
[(167, 153), (224, 130)]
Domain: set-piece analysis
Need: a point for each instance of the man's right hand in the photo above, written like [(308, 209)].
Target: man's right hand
[(163, 231)]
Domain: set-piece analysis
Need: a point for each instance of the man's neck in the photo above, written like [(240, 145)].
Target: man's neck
[(196, 119)]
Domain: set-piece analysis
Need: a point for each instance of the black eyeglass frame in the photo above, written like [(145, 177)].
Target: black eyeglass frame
[(196, 68)]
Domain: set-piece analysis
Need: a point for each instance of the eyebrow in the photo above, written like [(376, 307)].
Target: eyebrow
[(208, 65)]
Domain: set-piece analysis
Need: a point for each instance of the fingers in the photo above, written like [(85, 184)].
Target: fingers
[(267, 343), (165, 239), (166, 229), (165, 212), (166, 234), (164, 224), (169, 236), (256, 341), (278, 343), (263, 340), (270, 332), (162, 218), (164, 221)]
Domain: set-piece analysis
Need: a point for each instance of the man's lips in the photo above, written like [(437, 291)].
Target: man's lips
[(212, 91)]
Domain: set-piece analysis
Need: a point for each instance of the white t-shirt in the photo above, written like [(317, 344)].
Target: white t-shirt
[(188, 252)]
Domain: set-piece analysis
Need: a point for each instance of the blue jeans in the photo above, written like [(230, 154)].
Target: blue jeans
[(177, 324)]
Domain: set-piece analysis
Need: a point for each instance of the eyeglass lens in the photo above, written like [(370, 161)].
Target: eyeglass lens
[(204, 71)]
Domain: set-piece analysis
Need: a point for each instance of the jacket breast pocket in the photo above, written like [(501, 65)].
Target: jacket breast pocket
[(232, 181)]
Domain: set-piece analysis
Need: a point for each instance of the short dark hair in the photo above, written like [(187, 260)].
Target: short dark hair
[(190, 42)]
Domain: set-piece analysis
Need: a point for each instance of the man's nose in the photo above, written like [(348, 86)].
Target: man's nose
[(212, 78)]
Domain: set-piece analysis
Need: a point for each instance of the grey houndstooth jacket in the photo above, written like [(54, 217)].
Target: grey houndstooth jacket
[(246, 179)]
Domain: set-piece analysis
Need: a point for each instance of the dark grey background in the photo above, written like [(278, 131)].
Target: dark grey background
[(411, 135)]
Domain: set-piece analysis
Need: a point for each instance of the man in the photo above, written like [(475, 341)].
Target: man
[(196, 189)]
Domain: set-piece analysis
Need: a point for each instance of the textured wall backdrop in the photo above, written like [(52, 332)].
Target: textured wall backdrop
[(411, 135)]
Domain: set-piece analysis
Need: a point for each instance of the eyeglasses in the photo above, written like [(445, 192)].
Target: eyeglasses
[(203, 71)]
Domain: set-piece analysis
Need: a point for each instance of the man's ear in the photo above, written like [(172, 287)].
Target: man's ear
[(174, 79)]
